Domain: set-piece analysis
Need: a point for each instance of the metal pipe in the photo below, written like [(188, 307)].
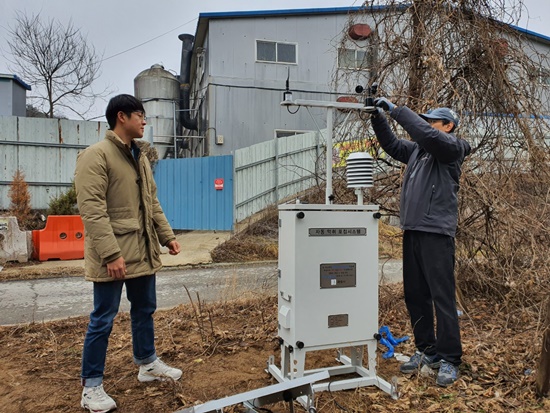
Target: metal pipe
[(328, 194), (44, 144), (185, 75), (175, 132), (359, 193)]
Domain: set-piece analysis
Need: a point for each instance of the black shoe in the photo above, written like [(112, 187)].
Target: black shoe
[(416, 362)]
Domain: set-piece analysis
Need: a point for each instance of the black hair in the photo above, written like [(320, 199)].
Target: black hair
[(122, 103), (446, 122)]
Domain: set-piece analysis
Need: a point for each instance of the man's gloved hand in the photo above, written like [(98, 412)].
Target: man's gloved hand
[(384, 104)]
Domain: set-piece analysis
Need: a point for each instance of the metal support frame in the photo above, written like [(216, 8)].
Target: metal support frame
[(330, 106), (176, 136), (288, 391), (293, 368)]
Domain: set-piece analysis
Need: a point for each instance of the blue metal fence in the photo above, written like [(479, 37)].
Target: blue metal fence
[(197, 193)]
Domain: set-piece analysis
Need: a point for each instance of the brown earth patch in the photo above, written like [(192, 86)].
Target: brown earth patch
[(32, 270), (223, 348)]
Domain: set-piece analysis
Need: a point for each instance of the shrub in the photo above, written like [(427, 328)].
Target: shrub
[(20, 200), (151, 153), (64, 204)]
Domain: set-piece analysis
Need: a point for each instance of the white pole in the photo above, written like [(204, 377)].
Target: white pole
[(330, 106), (359, 193), (175, 131), (330, 112)]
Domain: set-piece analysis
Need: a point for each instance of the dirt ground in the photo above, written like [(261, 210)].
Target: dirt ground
[(223, 348)]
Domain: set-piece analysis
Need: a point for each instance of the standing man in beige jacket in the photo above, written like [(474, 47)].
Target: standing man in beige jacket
[(125, 226)]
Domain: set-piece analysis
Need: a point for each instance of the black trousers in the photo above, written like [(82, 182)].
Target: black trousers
[(428, 279)]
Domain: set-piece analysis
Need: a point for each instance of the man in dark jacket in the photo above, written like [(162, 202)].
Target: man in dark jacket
[(428, 215)]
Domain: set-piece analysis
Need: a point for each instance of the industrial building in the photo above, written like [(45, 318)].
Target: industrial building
[(13, 95), (238, 64), (235, 66)]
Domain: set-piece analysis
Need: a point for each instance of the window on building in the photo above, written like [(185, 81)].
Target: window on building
[(275, 52), (352, 59), (544, 77), (279, 133)]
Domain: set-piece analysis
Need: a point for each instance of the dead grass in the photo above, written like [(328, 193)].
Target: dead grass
[(258, 240), (31, 270), (223, 349)]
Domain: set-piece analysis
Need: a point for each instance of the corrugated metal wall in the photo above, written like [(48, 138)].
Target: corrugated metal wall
[(187, 193), (45, 150), (269, 172), (262, 174)]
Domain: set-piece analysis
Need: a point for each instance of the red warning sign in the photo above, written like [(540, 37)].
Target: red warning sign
[(218, 184)]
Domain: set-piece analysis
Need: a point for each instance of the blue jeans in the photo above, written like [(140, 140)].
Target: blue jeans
[(141, 293)]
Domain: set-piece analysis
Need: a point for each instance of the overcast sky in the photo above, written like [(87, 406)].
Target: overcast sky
[(117, 29)]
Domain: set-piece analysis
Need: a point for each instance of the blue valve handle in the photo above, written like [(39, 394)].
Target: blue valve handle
[(388, 340)]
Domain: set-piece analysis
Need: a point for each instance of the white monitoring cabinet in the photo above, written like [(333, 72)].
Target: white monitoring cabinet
[(328, 290)]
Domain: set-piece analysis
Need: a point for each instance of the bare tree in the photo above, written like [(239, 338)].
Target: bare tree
[(464, 54), (57, 61)]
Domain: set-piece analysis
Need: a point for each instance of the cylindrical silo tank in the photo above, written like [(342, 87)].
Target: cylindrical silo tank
[(159, 91)]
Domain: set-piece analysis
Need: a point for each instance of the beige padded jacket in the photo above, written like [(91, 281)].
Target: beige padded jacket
[(117, 200)]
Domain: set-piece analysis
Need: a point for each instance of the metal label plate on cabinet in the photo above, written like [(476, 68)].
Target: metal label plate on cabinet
[(338, 320), (337, 232), (338, 275)]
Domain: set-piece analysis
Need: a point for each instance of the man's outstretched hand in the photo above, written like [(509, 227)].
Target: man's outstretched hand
[(384, 104)]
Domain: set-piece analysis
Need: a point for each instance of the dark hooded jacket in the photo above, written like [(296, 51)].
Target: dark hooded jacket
[(429, 196)]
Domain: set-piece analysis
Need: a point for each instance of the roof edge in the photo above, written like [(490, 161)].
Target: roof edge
[(282, 12), (531, 33), (17, 79), (329, 10)]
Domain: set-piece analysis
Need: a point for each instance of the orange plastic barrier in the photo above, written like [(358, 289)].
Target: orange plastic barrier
[(62, 239)]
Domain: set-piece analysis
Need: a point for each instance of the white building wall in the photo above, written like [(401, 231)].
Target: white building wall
[(241, 97), (245, 95), (13, 98), (6, 99)]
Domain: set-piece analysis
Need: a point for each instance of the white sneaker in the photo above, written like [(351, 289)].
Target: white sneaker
[(96, 400), (157, 370)]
